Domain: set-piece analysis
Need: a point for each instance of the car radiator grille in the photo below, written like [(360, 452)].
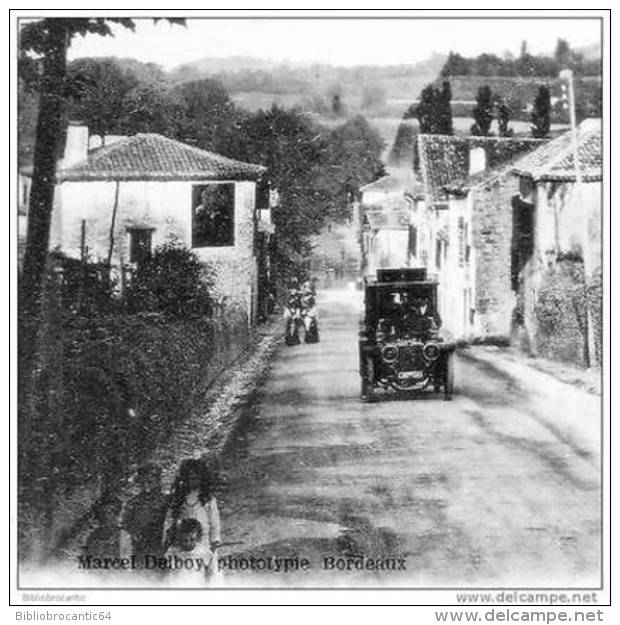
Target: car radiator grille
[(410, 358)]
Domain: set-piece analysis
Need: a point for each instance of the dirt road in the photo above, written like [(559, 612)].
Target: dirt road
[(499, 487)]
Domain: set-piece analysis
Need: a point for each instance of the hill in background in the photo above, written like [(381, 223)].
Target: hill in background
[(372, 89)]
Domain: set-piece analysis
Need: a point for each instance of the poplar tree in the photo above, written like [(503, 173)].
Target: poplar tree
[(483, 112), (541, 114)]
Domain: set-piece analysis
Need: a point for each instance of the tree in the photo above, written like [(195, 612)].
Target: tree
[(502, 114), (49, 39), (121, 96), (434, 111), (444, 109), (425, 111), (294, 150), (209, 117), (562, 52), (337, 106), (99, 90), (483, 112), (353, 160), (488, 65), (455, 65), (541, 114)]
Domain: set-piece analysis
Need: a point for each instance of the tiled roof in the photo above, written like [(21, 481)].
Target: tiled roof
[(444, 159), (155, 157), (554, 161)]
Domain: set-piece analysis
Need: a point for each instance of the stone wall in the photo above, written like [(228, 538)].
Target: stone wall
[(492, 236), (553, 279)]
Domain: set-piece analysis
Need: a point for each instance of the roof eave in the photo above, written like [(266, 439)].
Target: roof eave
[(154, 177)]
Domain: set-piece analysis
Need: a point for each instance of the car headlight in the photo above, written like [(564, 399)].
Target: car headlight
[(389, 353), (431, 351)]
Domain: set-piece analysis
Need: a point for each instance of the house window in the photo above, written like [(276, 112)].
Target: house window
[(140, 244), (438, 254), (213, 215)]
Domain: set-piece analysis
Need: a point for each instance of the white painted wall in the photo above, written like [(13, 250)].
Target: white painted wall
[(164, 206), (456, 279), (562, 212)]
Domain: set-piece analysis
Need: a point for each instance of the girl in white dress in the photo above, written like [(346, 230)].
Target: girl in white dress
[(192, 497)]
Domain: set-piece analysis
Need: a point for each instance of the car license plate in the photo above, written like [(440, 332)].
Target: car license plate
[(416, 375)]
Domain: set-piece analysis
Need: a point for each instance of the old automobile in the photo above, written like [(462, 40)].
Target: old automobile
[(400, 343)]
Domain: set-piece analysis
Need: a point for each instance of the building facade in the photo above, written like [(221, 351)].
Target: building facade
[(468, 222), (117, 202), (559, 265)]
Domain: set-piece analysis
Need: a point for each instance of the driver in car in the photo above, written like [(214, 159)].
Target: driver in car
[(420, 318)]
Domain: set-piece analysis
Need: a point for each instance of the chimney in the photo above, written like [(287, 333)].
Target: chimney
[(76, 147), (477, 160), (95, 142)]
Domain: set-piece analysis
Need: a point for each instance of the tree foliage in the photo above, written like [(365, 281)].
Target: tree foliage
[(120, 96), (502, 114), (316, 172), (173, 281), (525, 64), (455, 65), (353, 157), (483, 112), (541, 113), (434, 111), (208, 117)]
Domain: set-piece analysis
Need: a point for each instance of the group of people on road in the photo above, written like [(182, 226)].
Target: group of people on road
[(153, 527), (300, 309)]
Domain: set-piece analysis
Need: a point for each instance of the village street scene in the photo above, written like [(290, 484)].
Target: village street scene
[(296, 321)]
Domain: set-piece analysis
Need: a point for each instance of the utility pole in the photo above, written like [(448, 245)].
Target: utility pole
[(568, 90)]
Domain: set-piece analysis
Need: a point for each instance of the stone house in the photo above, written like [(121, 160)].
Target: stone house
[(119, 197), (558, 223), (467, 228)]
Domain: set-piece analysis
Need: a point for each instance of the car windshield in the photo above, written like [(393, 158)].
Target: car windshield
[(402, 311)]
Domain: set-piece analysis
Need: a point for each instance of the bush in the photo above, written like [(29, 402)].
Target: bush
[(105, 394), (173, 281), (595, 303), (561, 313), (107, 388)]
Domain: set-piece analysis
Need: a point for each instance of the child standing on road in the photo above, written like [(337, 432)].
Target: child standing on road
[(145, 513), (193, 498), (108, 539), (191, 563)]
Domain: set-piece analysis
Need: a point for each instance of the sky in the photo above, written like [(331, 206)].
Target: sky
[(338, 42)]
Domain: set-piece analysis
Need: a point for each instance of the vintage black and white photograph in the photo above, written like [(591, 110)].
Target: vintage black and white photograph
[(311, 302)]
